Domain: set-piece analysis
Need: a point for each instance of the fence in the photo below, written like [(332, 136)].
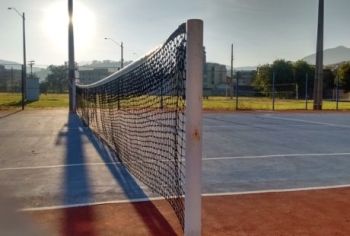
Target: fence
[(287, 96), (10, 86)]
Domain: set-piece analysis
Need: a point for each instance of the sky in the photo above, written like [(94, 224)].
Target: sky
[(261, 30)]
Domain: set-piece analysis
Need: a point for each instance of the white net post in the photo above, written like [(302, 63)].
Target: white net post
[(194, 90)]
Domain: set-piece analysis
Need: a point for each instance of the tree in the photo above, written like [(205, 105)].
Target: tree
[(344, 76), (44, 86), (57, 79), (263, 79), (301, 70), (283, 72), (284, 80), (328, 80)]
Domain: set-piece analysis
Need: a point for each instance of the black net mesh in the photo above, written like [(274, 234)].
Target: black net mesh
[(139, 112)]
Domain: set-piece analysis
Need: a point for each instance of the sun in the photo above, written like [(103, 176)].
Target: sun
[(55, 25)]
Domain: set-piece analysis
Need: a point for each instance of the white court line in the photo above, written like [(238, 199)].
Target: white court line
[(306, 121), (92, 204), (204, 195), (59, 166), (276, 155), (204, 159), (276, 190), (220, 126)]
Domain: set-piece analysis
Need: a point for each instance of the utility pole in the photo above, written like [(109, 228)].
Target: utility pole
[(122, 55), (24, 59), (24, 67), (71, 60), (318, 88)]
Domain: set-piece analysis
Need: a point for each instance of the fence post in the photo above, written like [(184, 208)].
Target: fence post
[(23, 87), (273, 91), (237, 86), (306, 88), (337, 93)]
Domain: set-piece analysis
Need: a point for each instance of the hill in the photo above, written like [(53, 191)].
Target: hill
[(5, 62), (331, 56)]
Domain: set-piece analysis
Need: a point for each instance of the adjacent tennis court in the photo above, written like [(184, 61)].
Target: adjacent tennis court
[(50, 160)]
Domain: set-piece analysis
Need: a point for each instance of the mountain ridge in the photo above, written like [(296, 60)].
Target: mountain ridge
[(331, 56)]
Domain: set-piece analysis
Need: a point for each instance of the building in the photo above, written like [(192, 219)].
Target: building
[(92, 75), (245, 80), (245, 77), (214, 81)]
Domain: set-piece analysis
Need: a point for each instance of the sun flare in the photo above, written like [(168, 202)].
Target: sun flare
[(55, 25)]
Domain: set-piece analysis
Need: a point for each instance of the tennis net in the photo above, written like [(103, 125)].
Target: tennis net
[(139, 113)]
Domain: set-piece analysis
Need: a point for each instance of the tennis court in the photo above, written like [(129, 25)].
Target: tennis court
[(50, 160)]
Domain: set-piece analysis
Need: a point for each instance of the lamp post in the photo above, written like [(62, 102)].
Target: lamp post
[(24, 70), (121, 51), (71, 61)]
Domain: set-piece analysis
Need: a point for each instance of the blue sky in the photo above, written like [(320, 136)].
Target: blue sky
[(261, 30)]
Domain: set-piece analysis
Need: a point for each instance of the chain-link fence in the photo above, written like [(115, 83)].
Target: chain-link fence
[(276, 96), (10, 86)]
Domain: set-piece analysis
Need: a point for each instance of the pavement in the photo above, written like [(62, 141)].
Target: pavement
[(48, 158)]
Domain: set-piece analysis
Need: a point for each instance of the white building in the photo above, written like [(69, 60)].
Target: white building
[(214, 81)]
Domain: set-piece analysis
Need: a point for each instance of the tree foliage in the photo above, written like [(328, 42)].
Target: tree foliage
[(288, 74), (57, 80), (328, 79), (344, 76), (262, 81), (283, 71), (302, 72)]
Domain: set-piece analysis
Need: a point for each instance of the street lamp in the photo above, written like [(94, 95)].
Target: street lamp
[(71, 61), (24, 70), (121, 50)]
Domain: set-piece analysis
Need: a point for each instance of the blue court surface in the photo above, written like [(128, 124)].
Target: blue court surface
[(49, 159)]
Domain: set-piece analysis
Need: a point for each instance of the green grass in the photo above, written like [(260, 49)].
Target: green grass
[(13, 100), (51, 101), (8, 100)]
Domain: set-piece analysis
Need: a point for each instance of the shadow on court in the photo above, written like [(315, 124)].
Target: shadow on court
[(76, 182), (9, 113), (81, 221)]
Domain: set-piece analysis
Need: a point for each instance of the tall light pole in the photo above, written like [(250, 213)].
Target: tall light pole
[(71, 60), (319, 59), (24, 69), (121, 51)]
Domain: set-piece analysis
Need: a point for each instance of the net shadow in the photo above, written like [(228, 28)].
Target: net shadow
[(156, 223), (9, 113)]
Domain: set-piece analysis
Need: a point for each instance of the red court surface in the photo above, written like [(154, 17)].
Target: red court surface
[(314, 212)]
